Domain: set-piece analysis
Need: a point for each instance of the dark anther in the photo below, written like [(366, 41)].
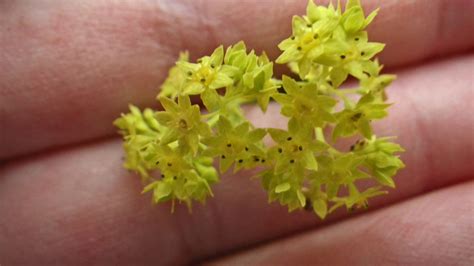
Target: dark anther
[(223, 156), (157, 162), (362, 53), (175, 177), (367, 73), (362, 143), (300, 148), (162, 176), (199, 60), (343, 56), (308, 206), (212, 66), (292, 161), (356, 39), (280, 150), (190, 73), (292, 38), (263, 160), (246, 148), (169, 164), (330, 82), (229, 145), (255, 158), (299, 48), (352, 147), (356, 117), (203, 80), (315, 36), (241, 161), (289, 138), (183, 124), (309, 25)]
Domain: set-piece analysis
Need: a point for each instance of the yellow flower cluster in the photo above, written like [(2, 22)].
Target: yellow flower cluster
[(174, 150)]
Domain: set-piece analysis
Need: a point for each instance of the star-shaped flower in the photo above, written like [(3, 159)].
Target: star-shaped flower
[(304, 103), (356, 199), (295, 149), (381, 158), (174, 84), (183, 123), (182, 176), (239, 145), (207, 73), (357, 119)]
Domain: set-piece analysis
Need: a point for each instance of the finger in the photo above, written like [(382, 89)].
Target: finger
[(67, 69), (435, 229), (79, 206)]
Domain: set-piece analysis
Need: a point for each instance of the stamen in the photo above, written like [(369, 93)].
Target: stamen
[(356, 117), (183, 124)]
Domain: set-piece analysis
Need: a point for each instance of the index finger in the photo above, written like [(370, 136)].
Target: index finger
[(67, 69)]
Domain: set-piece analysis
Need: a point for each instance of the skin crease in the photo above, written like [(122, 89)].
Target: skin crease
[(77, 205), (409, 233)]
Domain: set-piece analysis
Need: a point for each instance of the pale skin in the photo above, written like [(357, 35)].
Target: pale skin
[(68, 68)]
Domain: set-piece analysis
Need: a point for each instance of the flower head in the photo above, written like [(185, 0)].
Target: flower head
[(357, 119), (174, 84), (183, 122), (380, 158), (239, 145), (305, 103), (207, 73), (174, 150), (295, 149)]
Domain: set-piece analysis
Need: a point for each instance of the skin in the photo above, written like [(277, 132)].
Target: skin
[(68, 68)]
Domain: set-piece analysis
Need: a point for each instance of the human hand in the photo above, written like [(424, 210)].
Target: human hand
[(69, 68)]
